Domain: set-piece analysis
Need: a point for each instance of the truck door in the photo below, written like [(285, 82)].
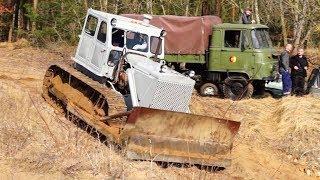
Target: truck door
[(100, 52), (235, 58), (87, 43)]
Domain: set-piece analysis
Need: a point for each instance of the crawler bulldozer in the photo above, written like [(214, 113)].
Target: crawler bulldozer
[(119, 86)]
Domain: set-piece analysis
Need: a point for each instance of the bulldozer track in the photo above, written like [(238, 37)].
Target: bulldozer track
[(115, 100), (101, 121)]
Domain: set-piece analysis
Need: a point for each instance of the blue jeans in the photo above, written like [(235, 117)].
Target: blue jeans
[(286, 81)]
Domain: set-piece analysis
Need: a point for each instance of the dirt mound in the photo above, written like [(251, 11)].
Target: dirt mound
[(288, 127)]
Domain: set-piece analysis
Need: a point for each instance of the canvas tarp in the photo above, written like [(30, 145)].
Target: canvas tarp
[(185, 35)]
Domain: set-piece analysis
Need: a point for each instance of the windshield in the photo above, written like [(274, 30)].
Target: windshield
[(261, 38), (137, 41)]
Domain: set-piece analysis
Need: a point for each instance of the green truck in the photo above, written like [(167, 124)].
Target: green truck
[(233, 60)]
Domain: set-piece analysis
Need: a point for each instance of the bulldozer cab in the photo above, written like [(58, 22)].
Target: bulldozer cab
[(105, 36)]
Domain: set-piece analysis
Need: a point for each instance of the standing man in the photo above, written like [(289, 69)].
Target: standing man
[(299, 66), (246, 16), (284, 70)]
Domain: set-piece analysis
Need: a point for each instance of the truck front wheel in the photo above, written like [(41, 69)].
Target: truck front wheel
[(209, 89), (237, 88)]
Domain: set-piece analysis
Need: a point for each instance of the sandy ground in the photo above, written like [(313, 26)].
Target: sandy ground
[(278, 139)]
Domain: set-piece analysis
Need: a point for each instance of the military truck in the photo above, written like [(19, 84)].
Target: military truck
[(234, 60)]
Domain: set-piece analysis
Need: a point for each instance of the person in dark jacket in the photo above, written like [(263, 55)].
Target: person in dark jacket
[(284, 70), (299, 66), (246, 16)]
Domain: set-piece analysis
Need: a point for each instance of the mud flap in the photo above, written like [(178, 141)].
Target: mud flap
[(158, 135)]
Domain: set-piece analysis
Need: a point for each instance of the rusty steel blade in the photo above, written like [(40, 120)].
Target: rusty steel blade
[(179, 137)]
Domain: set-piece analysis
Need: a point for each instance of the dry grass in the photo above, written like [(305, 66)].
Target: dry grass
[(277, 138), (289, 125), (34, 139)]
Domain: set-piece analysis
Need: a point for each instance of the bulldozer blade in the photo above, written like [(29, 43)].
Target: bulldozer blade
[(158, 135)]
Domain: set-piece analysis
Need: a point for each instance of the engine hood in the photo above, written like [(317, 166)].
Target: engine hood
[(153, 68)]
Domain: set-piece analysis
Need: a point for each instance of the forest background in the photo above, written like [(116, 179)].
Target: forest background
[(46, 21)]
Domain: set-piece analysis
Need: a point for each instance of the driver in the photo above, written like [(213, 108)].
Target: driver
[(140, 42)]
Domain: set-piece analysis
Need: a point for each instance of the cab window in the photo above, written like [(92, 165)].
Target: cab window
[(91, 25), (137, 41), (102, 34), (114, 58), (261, 38), (232, 39), (117, 37)]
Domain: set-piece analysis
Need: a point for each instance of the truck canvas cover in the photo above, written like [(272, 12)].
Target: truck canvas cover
[(185, 35)]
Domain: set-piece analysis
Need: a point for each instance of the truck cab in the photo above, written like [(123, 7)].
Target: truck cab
[(239, 61), (105, 36), (242, 49)]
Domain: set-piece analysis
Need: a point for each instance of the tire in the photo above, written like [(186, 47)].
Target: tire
[(259, 87), (209, 89), (237, 88)]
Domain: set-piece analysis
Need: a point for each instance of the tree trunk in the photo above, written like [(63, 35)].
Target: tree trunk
[(307, 36), (197, 8), (186, 13), (35, 5), (105, 5), (16, 14), (256, 9), (116, 7), (218, 8), (24, 18), (300, 26), (296, 17), (149, 6), (101, 5), (85, 3), (205, 8), (233, 12), (162, 7), (283, 24), (10, 34)]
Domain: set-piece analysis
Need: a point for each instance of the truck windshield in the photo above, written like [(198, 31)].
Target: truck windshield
[(261, 38)]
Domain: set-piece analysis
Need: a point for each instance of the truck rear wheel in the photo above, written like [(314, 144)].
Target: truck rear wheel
[(209, 89), (237, 88)]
